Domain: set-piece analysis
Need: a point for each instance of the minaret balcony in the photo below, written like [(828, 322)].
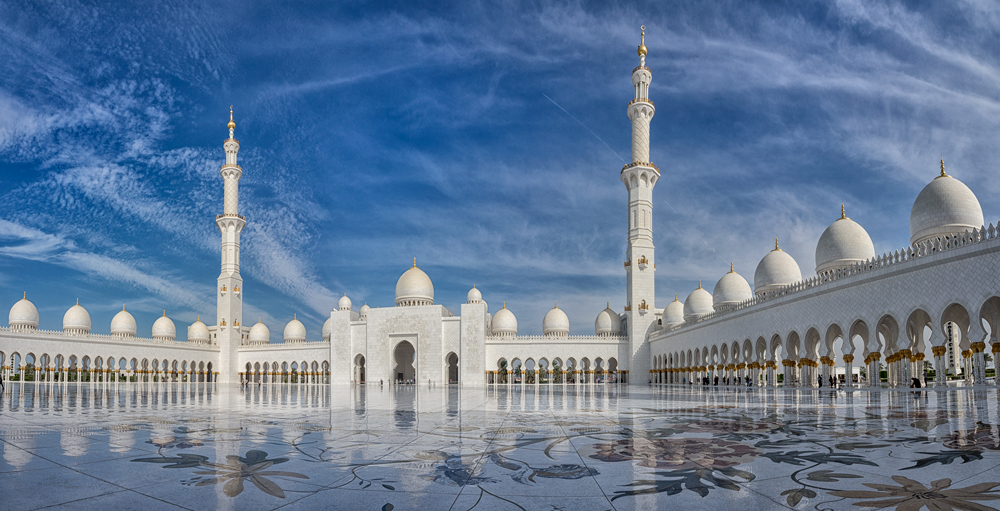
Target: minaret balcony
[(641, 164), (641, 100), (643, 262), (237, 167), (230, 215), (641, 67)]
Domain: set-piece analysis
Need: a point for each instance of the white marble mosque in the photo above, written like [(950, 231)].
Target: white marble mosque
[(859, 311)]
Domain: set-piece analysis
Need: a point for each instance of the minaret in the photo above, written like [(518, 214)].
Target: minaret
[(230, 290), (639, 177)]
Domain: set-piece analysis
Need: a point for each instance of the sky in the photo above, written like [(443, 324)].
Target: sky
[(485, 139)]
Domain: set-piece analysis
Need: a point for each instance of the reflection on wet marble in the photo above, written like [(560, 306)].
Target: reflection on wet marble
[(205, 446)]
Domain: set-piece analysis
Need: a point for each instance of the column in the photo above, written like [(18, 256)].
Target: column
[(849, 371)]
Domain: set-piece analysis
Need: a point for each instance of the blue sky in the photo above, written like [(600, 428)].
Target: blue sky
[(483, 138)]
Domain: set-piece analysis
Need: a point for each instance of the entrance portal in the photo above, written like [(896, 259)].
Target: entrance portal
[(452, 368), (405, 356)]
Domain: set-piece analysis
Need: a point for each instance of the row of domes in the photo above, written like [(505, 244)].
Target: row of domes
[(945, 207)]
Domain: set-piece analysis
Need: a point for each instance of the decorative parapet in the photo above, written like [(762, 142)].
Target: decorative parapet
[(230, 215), (899, 258), (558, 340), (640, 67), (641, 100), (60, 335)]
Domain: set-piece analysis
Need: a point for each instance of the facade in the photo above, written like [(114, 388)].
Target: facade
[(858, 314)]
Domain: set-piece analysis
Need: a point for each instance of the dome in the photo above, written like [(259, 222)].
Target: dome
[(673, 313), (608, 323), (555, 323), (776, 270), (345, 303), (414, 287), (163, 328), (327, 329), (198, 332), (23, 315), (504, 323), (123, 324), (295, 331), (843, 244), (76, 320), (259, 333), (474, 296), (731, 289), (945, 206), (365, 309), (698, 304)]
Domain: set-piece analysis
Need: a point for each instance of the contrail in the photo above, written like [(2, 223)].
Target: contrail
[(585, 126)]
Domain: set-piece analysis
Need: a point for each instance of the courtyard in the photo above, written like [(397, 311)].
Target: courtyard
[(592, 447)]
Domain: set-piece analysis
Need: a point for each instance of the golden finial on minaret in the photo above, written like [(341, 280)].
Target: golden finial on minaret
[(164, 313), (232, 124), (731, 267), (942, 169), (295, 316), (699, 283), (843, 213), (78, 301), (555, 305), (505, 304), (675, 297), (25, 297), (414, 262), (776, 244), (642, 43)]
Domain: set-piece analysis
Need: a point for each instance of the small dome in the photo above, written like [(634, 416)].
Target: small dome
[(944, 207), (327, 329), (555, 323), (365, 309), (345, 303), (608, 323), (164, 329), (198, 332), (23, 315), (673, 313), (295, 331), (731, 289), (414, 287), (76, 320), (697, 304), (776, 270), (504, 323), (123, 324), (843, 244), (474, 296), (259, 333)]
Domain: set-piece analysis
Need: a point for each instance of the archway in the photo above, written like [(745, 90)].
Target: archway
[(405, 357), (452, 361), (359, 368)]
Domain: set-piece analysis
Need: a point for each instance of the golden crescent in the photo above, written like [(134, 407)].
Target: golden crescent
[(642, 27)]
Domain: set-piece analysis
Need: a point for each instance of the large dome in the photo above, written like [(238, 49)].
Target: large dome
[(414, 287), (164, 329), (731, 290), (295, 331), (673, 313), (345, 303), (327, 329), (198, 332), (76, 320), (259, 334), (555, 323), (504, 323), (123, 324), (23, 315), (697, 304), (843, 244), (945, 206), (608, 323), (776, 270)]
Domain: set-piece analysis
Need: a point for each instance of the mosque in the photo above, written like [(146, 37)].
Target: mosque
[(861, 313)]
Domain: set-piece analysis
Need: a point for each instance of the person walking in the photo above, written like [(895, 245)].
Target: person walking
[(2, 389)]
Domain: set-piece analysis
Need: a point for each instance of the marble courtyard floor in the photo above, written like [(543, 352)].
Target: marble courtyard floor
[(155, 446)]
